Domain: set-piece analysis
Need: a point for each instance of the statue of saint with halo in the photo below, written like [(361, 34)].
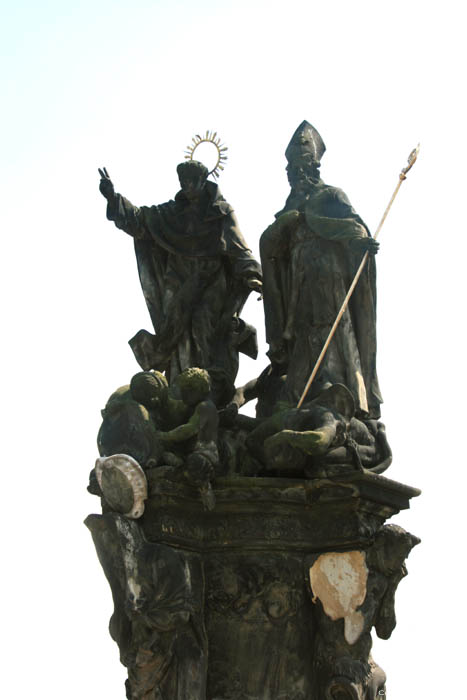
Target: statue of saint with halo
[(196, 272)]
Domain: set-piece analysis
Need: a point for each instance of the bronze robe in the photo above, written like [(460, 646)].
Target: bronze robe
[(193, 264), (308, 268)]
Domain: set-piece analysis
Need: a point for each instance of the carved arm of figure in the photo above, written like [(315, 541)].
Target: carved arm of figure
[(310, 431), (244, 271), (336, 219), (182, 432), (254, 284), (274, 240), (202, 424), (125, 215), (106, 187), (311, 442), (245, 393), (246, 278), (362, 245), (203, 458)]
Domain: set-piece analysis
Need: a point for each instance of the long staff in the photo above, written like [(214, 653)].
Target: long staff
[(402, 176)]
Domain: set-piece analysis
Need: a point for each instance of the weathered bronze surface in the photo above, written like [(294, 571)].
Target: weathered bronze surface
[(249, 558), (245, 594), (196, 272), (309, 256)]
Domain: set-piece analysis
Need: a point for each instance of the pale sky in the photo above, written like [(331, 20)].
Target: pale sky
[(126, 86)]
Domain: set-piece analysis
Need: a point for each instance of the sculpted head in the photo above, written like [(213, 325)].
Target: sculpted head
[(192, 175), (392, 546), (194, 384), (149, 389), (303, 172), (303, 155)]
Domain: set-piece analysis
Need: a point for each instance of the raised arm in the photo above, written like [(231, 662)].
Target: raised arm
[(106, 187), (120, 210)]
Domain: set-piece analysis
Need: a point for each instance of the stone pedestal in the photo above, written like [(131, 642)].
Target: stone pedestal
[(269, 596)]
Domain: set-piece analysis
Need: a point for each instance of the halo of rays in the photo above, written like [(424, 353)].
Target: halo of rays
[(209, 137)]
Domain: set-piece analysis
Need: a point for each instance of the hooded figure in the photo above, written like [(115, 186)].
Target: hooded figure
[(196, 272), (309, 258)]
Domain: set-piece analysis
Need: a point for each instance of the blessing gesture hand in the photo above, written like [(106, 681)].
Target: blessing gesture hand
[(106, 185)]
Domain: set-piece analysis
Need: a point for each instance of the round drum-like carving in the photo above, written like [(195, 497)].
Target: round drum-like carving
[(123, 484)]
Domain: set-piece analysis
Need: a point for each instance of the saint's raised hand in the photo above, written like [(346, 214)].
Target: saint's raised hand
[(105, 186)]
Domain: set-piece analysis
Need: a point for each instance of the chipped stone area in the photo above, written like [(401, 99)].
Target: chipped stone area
[(339, 581)]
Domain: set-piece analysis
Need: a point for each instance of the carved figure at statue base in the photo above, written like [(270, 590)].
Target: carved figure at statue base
[(145, 421), (157, 622), (199, 433), (321, 438), (353, 592)]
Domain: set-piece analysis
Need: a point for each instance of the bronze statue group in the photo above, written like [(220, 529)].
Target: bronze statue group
[(196, 273), (177, 428)]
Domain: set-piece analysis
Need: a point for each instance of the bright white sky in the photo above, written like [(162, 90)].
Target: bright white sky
[(126, 85)]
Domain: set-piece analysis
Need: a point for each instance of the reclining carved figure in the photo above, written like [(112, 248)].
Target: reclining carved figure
[(320, 438)]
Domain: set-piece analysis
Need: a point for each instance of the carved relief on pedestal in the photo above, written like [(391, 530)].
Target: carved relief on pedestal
[(157, 621), (353, 592)]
